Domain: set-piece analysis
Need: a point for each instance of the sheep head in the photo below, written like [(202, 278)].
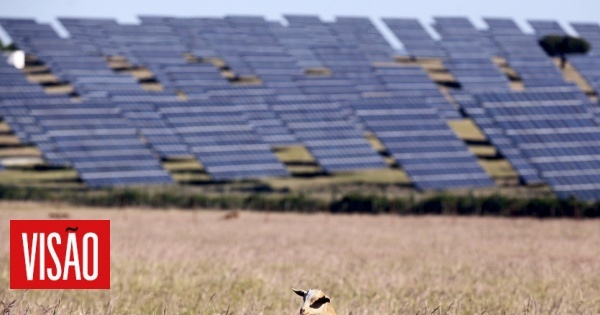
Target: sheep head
[(315, 302)]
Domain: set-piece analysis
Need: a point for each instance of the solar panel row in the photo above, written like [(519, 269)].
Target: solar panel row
[(589, 68), (558, 135), (332, 140), (420, 141), (230, 127), (590, 32), (94, 139), (528, 174), (414, 37), (222, 140)]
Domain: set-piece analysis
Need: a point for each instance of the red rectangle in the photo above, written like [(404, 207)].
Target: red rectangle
[(59, 254)]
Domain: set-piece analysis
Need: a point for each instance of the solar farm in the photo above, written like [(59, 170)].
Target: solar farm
[(242, 99)]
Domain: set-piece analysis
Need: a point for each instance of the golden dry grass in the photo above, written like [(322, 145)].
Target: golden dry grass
[(323, 71), (466, 129), (141, 73), (9, 140), (59, 89), (483, 150), (42, 78), (248, 80), (20, 151), (294, 154), (325, 183), (4, 127), (38, 178), (498, 168), (572, 75), (182, 262), (442, 76), (154, 87), (517, 86)]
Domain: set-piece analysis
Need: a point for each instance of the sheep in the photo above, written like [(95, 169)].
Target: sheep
[(315, 303)]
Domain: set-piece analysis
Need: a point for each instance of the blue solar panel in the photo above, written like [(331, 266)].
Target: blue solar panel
[(351, 49), (502, 26), (422, 144), (414, 37), (100, 146), (459, 34), (590, 32), (415, 81), (546, 27), (589, 68), (333, 141), (222, 140), (477, 75), (527, 173), (558, 135)]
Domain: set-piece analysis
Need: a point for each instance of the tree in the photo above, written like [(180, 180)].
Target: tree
[(561, 45)]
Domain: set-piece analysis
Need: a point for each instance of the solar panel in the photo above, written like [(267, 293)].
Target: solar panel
[(546, 27), (420, 141), (223, 141), (589, 68), (333, 141), (528, 174), (414, 37), (590, 32), (13, 109), (153, 128), (360, 32), (415, 81), (502, 26), (527, 58), (477, 74), (284, 105), (557, 134), (458, 34), (302, 19), (98, 144)]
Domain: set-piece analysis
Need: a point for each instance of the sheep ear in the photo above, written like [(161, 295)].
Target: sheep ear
[(326, 299), (301, 293)]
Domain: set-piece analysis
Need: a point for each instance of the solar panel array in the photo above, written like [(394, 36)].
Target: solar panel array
[(92, 137), (421, 142), (222, 140), (230, 90), (462, 40), (333, 141), (89, 73), (414, 81), (414, 37), (590, 32), (99, 144), (470, 53), (546, 27), (528, 174), (558, 135), (16, 93), (525, 56), (589, 68)]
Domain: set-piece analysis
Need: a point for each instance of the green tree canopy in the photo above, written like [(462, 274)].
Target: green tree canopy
[(560, 45)]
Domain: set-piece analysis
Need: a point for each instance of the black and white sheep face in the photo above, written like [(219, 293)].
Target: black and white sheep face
[(314, 302)]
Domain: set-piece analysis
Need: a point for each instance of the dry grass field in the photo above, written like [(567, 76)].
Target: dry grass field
[(195, 262)]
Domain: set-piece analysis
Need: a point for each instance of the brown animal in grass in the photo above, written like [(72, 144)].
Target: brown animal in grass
[(315, 302), (231, 215)]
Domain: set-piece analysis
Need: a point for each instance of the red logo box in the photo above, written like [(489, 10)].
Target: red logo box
[(59, 254)]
